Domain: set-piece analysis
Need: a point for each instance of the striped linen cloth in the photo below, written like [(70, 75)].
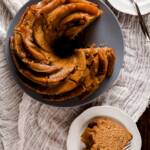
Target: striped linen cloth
[(26, 124)]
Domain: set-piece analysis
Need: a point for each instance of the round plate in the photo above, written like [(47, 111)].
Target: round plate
[(105, 30), (80, 123), (126, 6)]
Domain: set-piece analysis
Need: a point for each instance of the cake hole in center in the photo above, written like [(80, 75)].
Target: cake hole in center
[(64, 47)]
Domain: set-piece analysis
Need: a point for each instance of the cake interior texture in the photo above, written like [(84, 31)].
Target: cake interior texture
[(104, 133)]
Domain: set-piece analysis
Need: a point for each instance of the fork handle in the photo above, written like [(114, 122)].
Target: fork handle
[(141, 20)]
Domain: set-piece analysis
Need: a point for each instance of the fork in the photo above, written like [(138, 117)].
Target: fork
[(128, 146), (141, 20)]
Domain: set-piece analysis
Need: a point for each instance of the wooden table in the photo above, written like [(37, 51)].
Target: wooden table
[(144, 127)]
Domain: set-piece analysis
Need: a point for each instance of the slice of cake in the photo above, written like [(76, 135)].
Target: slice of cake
[(104, 133)]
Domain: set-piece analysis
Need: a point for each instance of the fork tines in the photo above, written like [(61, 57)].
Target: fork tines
[(128, 146)]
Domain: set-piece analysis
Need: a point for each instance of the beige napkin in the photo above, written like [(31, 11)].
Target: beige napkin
[(26, 124)]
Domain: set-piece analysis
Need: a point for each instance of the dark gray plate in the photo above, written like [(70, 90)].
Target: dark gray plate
[(105, 30)]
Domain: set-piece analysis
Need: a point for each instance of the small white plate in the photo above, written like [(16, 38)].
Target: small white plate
[(126, 6), (80, 123)]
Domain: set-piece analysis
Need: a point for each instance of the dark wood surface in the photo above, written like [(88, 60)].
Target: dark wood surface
[(144, 128)]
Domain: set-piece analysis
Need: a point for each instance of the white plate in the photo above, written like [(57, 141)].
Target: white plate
[(80, 123), (126, 6)]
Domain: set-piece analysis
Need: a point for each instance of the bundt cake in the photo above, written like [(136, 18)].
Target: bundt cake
[(32, 48)]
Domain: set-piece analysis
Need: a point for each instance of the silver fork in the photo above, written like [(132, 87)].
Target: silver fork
[(141, 20), (128, 146)]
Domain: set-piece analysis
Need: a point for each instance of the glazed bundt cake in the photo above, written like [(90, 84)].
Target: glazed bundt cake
[(32, 48)]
